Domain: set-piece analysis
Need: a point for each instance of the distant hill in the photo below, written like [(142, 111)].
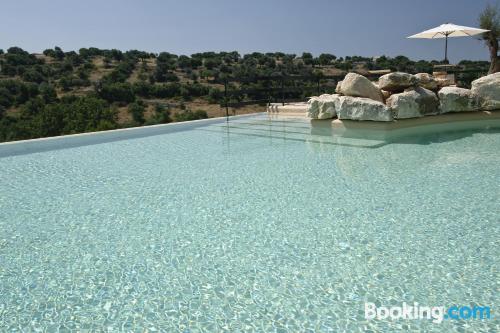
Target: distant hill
[(61, 92)]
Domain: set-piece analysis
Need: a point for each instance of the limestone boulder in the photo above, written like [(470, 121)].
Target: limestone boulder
[(396, 82), (358, 108), (322, 107), (453, 99), (313, 107), (359, 86), (413, 103), (426, 81), (338, 88), (488, 90)]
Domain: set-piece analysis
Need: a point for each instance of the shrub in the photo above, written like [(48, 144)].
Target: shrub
[(136, 109), (214, 95), (161, 116), (32, 75), (187, 115)]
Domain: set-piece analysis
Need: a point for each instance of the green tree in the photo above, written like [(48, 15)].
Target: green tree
[(87, 114), (48, 93), (32, 75), (49, 53), (184, 62), (326, 59), (49, 121), (116, 92), (307, 58), (489, 19)]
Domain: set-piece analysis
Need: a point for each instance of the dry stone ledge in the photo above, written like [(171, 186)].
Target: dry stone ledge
[(413, 103), (397, 81), (488, 90), (359, 108), (444, 82), (427, 81), (453, 99), (359, 86), (322, 107)]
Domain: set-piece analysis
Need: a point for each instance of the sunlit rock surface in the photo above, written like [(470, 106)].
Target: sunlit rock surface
[(359, 86), (488, 89), (397, 81), (357, 108), (413, 103), (453, 99)]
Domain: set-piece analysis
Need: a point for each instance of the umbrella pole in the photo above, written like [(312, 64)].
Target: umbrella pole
[(446, 49)]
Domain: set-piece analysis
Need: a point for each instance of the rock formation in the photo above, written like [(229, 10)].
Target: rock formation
[(405, 95), (356, 85)]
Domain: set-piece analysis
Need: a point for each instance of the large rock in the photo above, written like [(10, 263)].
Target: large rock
[(453, 99), (488, 90), (359, 86), (322, 107), (357, 108), (313, 107), (396, 82), (426, 80), (338, 88), (413, 103)]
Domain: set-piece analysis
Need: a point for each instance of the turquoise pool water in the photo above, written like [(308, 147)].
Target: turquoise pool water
[(260, 225)]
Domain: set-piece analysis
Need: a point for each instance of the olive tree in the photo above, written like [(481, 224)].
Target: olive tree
[(490, 19)]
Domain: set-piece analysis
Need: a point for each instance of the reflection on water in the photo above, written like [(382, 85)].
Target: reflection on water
[(322, 132)]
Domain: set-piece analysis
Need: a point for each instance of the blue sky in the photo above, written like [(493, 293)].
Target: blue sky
[(341, 27)]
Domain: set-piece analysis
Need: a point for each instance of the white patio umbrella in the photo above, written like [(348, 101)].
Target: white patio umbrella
[(448, 30)]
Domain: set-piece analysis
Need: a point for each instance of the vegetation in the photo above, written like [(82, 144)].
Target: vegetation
[(489, 19), (60, 92)]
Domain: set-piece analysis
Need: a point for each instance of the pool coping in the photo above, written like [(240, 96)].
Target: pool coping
[(22, 147)]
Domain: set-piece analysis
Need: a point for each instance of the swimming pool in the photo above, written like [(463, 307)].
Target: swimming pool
[(256, 225)]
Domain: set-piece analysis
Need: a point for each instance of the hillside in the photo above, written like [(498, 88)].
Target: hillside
[(61, 92)]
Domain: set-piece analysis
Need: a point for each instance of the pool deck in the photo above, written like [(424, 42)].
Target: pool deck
[(298, 110)]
